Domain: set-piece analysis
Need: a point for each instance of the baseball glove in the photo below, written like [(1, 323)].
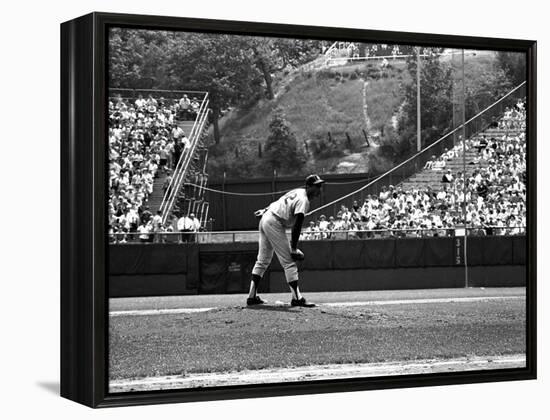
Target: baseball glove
[(297, 255)]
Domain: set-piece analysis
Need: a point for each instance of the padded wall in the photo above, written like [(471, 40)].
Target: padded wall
[(164, 269)]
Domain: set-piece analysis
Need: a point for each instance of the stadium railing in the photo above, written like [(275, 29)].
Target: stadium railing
[(362, 234), (180, 171), (157, 93), (330, 61)]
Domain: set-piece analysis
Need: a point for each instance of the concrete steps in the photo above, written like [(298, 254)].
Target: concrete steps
[(155, 199), (430, 178)]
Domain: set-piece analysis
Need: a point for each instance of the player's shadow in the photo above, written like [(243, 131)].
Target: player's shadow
[(275, 308)]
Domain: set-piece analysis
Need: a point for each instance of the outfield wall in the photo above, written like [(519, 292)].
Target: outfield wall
[(378, 264), (236, 212)]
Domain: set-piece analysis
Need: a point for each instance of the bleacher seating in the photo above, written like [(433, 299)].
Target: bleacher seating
[(145, 141), (492, 204)]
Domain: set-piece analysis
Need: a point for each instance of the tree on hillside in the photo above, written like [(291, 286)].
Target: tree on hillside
[(219, 64), (231, 68), (137, 59), (273, 55), (281, 149), (436, 86), (485, 89), (514, 65)]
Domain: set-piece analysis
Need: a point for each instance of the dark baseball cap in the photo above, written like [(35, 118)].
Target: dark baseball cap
[(314, 180)]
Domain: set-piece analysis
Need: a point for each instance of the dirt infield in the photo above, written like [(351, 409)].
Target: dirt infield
[(479, 325)]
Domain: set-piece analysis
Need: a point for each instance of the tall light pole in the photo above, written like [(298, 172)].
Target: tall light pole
[(466, 283), (418, 127)]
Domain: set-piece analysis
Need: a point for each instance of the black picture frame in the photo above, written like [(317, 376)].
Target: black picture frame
[(84, 254)]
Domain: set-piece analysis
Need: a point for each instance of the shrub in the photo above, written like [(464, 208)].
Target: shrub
[(281, 149), (373, 73), (323, 149)]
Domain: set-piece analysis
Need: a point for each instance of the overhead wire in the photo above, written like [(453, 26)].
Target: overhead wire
[(223, 192)]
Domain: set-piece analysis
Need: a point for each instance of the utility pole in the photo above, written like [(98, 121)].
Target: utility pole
[(418, 127), (466, 283)]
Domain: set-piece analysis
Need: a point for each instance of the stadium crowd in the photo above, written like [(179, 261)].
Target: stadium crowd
[(144, 141), (492, 197)]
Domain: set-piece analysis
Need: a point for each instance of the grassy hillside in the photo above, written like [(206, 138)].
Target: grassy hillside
[(316, 104)]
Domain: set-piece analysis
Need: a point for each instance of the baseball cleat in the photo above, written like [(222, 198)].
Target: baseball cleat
[(256, 300), (301, 302)]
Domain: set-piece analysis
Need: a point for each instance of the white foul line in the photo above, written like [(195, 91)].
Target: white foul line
[(319, 372), (177, 311), (144, 312), (420, 301)]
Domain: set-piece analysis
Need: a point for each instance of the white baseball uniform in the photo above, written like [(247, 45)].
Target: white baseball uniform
[(280, 215)]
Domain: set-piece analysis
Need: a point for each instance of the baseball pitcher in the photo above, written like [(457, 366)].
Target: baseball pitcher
[(287, 212)]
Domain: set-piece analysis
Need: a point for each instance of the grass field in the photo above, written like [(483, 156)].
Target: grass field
[(186, 336)]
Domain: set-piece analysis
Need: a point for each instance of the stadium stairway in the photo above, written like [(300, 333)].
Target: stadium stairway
[(186, 126), (432, 178), (155, 199)]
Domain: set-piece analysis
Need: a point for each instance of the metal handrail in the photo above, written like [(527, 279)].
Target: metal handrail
[(393, 56), (182, 160), (363, 234), (134, 92), (181, 168), (420, 153)]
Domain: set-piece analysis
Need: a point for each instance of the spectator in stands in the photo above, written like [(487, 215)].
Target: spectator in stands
[(482, 144), (177, 133), (185, 226), (323, 221), (133, 219), (330, 228), (439, 164), (178, 150), (169, 150), (449, 154), (308, 232), (166, 184), (166, 230), (140, 102), (447, 177), (146, 215), (196, 225), (144, 230), (384, 193), (429, 164), (186, 144), (163, 159), (353, 231), (157, 226), (195, 105), (184, 105)]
